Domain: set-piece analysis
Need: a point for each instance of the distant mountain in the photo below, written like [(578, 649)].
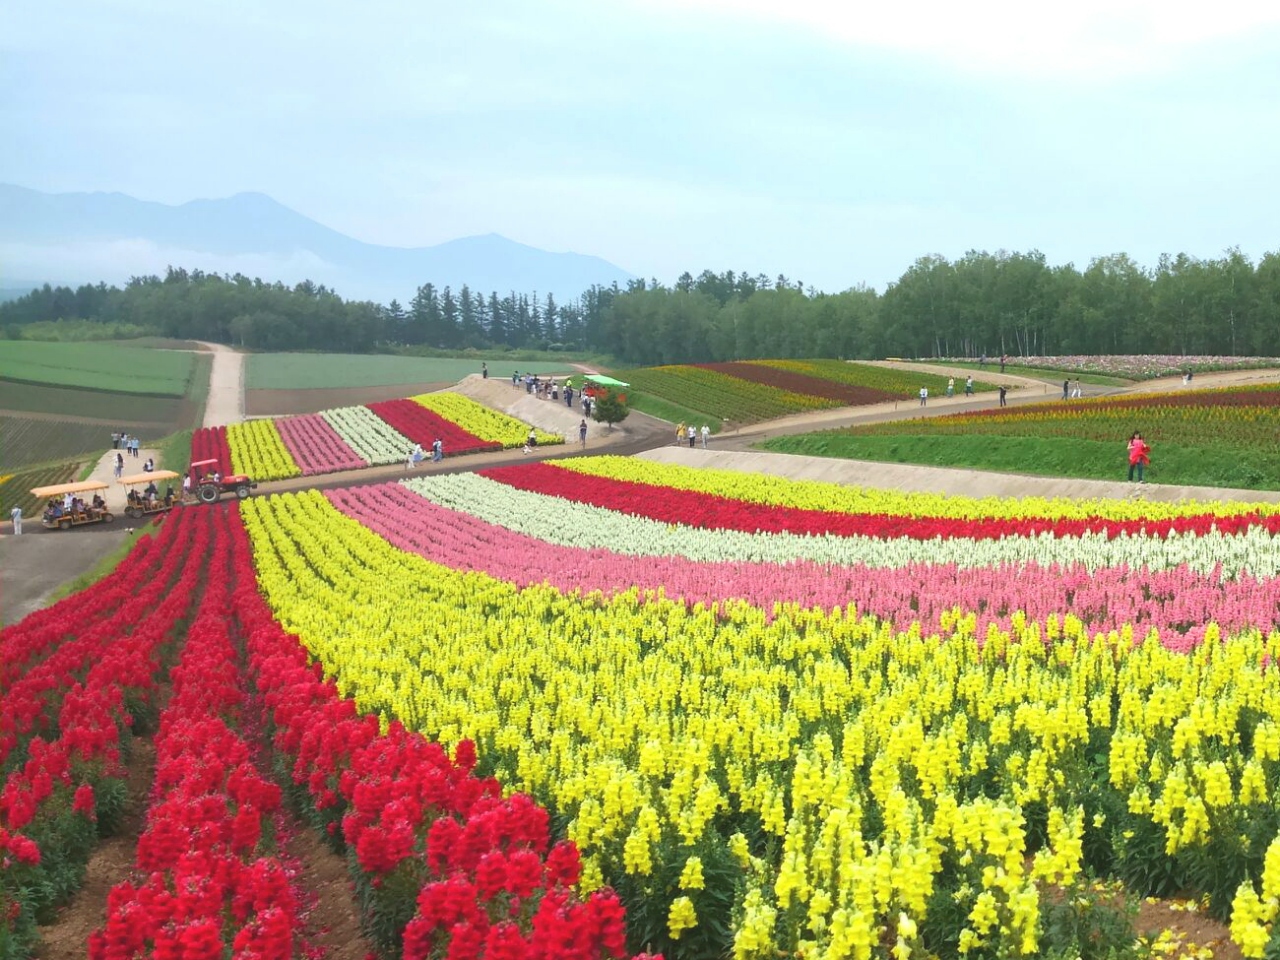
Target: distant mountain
[(87, 237)]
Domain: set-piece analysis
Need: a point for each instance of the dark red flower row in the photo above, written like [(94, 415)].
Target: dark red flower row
[(206, 880), (426, 426), (800, 383), (482, 869), (51, 797), (711, 511)]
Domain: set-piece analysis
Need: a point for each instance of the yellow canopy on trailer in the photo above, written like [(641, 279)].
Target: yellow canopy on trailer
[(148, 477), (61, 489)]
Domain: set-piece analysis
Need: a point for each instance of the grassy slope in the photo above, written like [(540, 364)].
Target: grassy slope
[(992, 370), (673, 413), (1085, 459), (97, 366), (313, 371)]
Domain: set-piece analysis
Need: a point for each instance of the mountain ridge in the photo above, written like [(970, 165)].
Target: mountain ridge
[(84, 237)]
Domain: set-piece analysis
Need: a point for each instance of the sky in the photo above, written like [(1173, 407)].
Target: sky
[(831, 142)]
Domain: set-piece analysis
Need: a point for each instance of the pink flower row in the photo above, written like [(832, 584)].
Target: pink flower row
[(1179, 602), (316, 447)]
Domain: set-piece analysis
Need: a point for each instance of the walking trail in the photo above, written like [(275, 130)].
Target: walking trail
[(226, 386)]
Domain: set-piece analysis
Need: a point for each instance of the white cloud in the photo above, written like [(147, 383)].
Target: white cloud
[(1086, 39)]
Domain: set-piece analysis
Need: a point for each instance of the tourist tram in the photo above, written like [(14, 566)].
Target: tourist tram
[(66, 504)]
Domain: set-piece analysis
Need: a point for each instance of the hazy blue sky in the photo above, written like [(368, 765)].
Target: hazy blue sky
[(767, 135)]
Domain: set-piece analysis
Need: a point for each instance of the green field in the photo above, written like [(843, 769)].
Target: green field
[(15, 490), (318, 371), (95, 366), (24, 441)]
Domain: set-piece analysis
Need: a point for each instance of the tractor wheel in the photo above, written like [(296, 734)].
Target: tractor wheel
[(242, 492), (64, 524), (209, 493)]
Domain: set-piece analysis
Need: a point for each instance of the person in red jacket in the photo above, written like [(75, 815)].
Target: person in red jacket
[(1139, 456)]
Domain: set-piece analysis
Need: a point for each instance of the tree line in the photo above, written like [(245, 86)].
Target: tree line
[(982, 303)]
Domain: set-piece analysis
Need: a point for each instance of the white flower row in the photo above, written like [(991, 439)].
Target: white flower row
[(368, 434), (558, 521)]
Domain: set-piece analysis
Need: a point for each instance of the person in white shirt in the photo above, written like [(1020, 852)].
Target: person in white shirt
[(706, 432)]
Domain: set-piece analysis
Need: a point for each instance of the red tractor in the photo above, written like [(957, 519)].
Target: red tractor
[(209, 485)]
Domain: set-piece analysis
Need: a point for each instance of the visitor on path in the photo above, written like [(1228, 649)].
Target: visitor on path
[(186, 486), (706, 432), (587, 404), (115, 441), (1066, 389), (1076, 392), (1004, 358), (679, 432), (968, 387), (484, 371), (437, 450), (924, 396), (515, 379), (149, 466), (137, 446), (568, 394), (16, 516), (693, 434), (951, 386), (532, 439), (1003, 392), (582, 434), (1139, 456), (118, 470)]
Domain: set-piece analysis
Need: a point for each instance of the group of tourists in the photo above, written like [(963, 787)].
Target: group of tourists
[(150, 496), (73, 507), (122, 441), (416, 454), (687, 432)]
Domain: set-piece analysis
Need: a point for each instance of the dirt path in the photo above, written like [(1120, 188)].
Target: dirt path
[(226, 386)]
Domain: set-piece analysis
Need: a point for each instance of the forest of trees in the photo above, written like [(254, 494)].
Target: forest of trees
[(990, 303)]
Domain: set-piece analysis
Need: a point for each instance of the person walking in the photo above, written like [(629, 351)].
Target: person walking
[(582, 434), (706, 432), (1076, 392), (1139, 457), (693, 434), (437, 450), (137, 447), (118, 470), (951, 386), (568, 394), (1004, 358), (968, 387), (115, 441), (679, 432), (484, 371), (186, 485), (1066, 389), (16, 516), (924, 396), (1003, 392)]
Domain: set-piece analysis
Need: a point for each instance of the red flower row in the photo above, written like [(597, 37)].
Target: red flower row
[(425, 426), (712, 511), (206, 879), (801, 383), (51, 797), (210, 443), (481, 867), (25, 645)]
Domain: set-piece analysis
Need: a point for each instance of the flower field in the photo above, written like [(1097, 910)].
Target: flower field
[(1210, 437), (1145, 366), (590, 708), (349, 438), (762, 389)]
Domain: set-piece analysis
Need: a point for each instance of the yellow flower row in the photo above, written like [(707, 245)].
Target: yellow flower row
[(866, 762), (481, 421), (258, 451), (835, 498)]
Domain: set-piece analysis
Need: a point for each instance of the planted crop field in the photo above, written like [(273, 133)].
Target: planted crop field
[(312, 371), (1136, 366), (348, 438), (1221, 437), (747, 391), (15, 488), (578, 710), (26, 440), (96, 366)]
